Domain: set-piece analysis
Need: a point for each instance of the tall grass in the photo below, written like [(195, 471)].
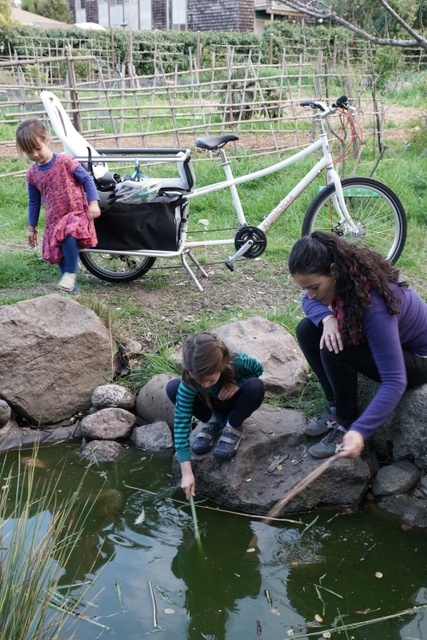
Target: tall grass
[(37, 536)]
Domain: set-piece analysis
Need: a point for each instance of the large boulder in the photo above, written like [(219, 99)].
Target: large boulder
[(271, 460), (403, 436), (53, 353), (285, 368)]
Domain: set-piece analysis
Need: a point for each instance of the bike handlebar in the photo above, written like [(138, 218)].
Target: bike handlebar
[(340, 103)]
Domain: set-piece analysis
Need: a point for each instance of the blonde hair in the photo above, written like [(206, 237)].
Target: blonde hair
[(29, 134)]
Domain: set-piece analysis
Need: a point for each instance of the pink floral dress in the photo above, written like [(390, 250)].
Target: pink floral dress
[(66, 207)]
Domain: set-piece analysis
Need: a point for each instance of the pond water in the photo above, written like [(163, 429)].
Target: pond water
[(323, 565)]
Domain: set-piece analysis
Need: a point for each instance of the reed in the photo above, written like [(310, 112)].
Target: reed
[(37, 537)]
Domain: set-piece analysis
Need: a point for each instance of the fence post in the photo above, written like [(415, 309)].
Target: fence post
[(74, 96)]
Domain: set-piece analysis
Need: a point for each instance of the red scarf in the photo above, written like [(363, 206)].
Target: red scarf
[(337, 307)]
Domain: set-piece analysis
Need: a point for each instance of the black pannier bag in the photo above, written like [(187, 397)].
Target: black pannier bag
[(132, 227)]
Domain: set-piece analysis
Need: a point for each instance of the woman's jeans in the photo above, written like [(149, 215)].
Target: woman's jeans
[(337, 372), (237, 408)]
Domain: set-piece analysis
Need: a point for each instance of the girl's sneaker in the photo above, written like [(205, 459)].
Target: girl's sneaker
[(205, 439), (67, 282)]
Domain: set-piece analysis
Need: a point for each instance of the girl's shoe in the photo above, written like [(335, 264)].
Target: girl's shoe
[(205, 439), (67, 282), (228, 443)]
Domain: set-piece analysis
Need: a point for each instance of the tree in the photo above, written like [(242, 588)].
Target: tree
[(54, 9), (5, 13), (374, 20)]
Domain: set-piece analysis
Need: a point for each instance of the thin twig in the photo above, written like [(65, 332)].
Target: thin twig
[(305, 482), (153, 602), (195, 523)]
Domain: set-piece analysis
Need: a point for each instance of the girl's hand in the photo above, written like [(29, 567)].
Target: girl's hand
[(352, 445), (331, 337), (188, 482), (32, 236), (94, 211), (227, 391)]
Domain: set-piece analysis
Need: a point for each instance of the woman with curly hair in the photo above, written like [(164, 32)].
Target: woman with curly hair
[(361, 317)]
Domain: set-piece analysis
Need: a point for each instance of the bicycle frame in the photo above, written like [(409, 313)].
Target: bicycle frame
[(185, 247)]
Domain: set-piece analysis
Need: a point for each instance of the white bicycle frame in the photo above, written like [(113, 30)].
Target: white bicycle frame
[(185, 247)]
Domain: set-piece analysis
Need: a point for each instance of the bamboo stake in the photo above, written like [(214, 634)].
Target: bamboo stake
[(195, 523)]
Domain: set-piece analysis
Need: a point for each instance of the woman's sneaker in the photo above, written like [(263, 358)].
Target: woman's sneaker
[(326, 421), (328, 445)]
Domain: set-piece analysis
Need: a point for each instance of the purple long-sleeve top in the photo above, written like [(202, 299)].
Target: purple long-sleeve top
[(387, 335)]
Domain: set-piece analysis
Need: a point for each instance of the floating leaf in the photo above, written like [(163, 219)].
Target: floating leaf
[(141, 517), (378, 574), (169, 611), (318, 618)]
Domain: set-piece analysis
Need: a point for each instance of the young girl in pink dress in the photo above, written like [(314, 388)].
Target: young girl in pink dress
[(70, 199)]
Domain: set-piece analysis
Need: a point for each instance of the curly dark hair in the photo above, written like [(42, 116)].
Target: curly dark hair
[(204, 355), (358, 269)]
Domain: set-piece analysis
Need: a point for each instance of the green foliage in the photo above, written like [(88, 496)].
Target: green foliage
[(54, 9), (5, 13)]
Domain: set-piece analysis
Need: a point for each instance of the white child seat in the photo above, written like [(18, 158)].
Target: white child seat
[(73, 142)]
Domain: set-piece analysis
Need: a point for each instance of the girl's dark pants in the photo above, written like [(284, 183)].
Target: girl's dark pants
[(337, 372), (237, 408)]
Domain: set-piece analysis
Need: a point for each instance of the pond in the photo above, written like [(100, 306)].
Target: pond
[(306, 574)]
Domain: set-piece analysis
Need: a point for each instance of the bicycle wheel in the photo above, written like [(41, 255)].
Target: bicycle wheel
[(375, 210), (116, 268)]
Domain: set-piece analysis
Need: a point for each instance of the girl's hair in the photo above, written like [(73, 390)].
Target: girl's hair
[(357, 270), (205, 355), (28, 135)]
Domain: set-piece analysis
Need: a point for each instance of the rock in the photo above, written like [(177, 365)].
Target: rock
[(155, 437), (252, 482), (5, 413), (404, 434), (406, 508), (102, 451), (13, 436), (396, 478), (53, 353), (113, 395), (285, 368), (107, 424), (152, 403)]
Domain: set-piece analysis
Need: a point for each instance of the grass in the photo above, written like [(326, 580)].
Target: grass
[(23, 273), (38, 534)]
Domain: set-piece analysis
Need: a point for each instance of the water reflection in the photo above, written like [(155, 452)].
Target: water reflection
[(324, 566), (218, 574)]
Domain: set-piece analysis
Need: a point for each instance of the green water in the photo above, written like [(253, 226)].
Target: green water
[(216, 588)]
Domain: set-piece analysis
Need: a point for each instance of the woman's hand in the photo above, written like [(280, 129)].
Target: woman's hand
[(32, 236), (352, 445), (93, 211), (331, 337), (227, 391), (188, 482)]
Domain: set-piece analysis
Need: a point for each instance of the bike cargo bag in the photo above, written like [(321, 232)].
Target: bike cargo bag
[(151, 225)]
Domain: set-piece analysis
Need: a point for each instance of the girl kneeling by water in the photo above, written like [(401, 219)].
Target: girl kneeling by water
[(219, 388)]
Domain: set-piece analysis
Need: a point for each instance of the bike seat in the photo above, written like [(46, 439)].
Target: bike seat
[(215, 143)]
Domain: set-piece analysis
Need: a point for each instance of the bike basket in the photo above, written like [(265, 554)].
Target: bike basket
[(153, 226)]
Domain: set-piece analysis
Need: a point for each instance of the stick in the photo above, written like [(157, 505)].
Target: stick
[(153, 601), (195, 523), (305, 482)]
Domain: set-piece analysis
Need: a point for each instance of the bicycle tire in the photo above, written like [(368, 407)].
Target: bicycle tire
[(375, 209), (116, 268)]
